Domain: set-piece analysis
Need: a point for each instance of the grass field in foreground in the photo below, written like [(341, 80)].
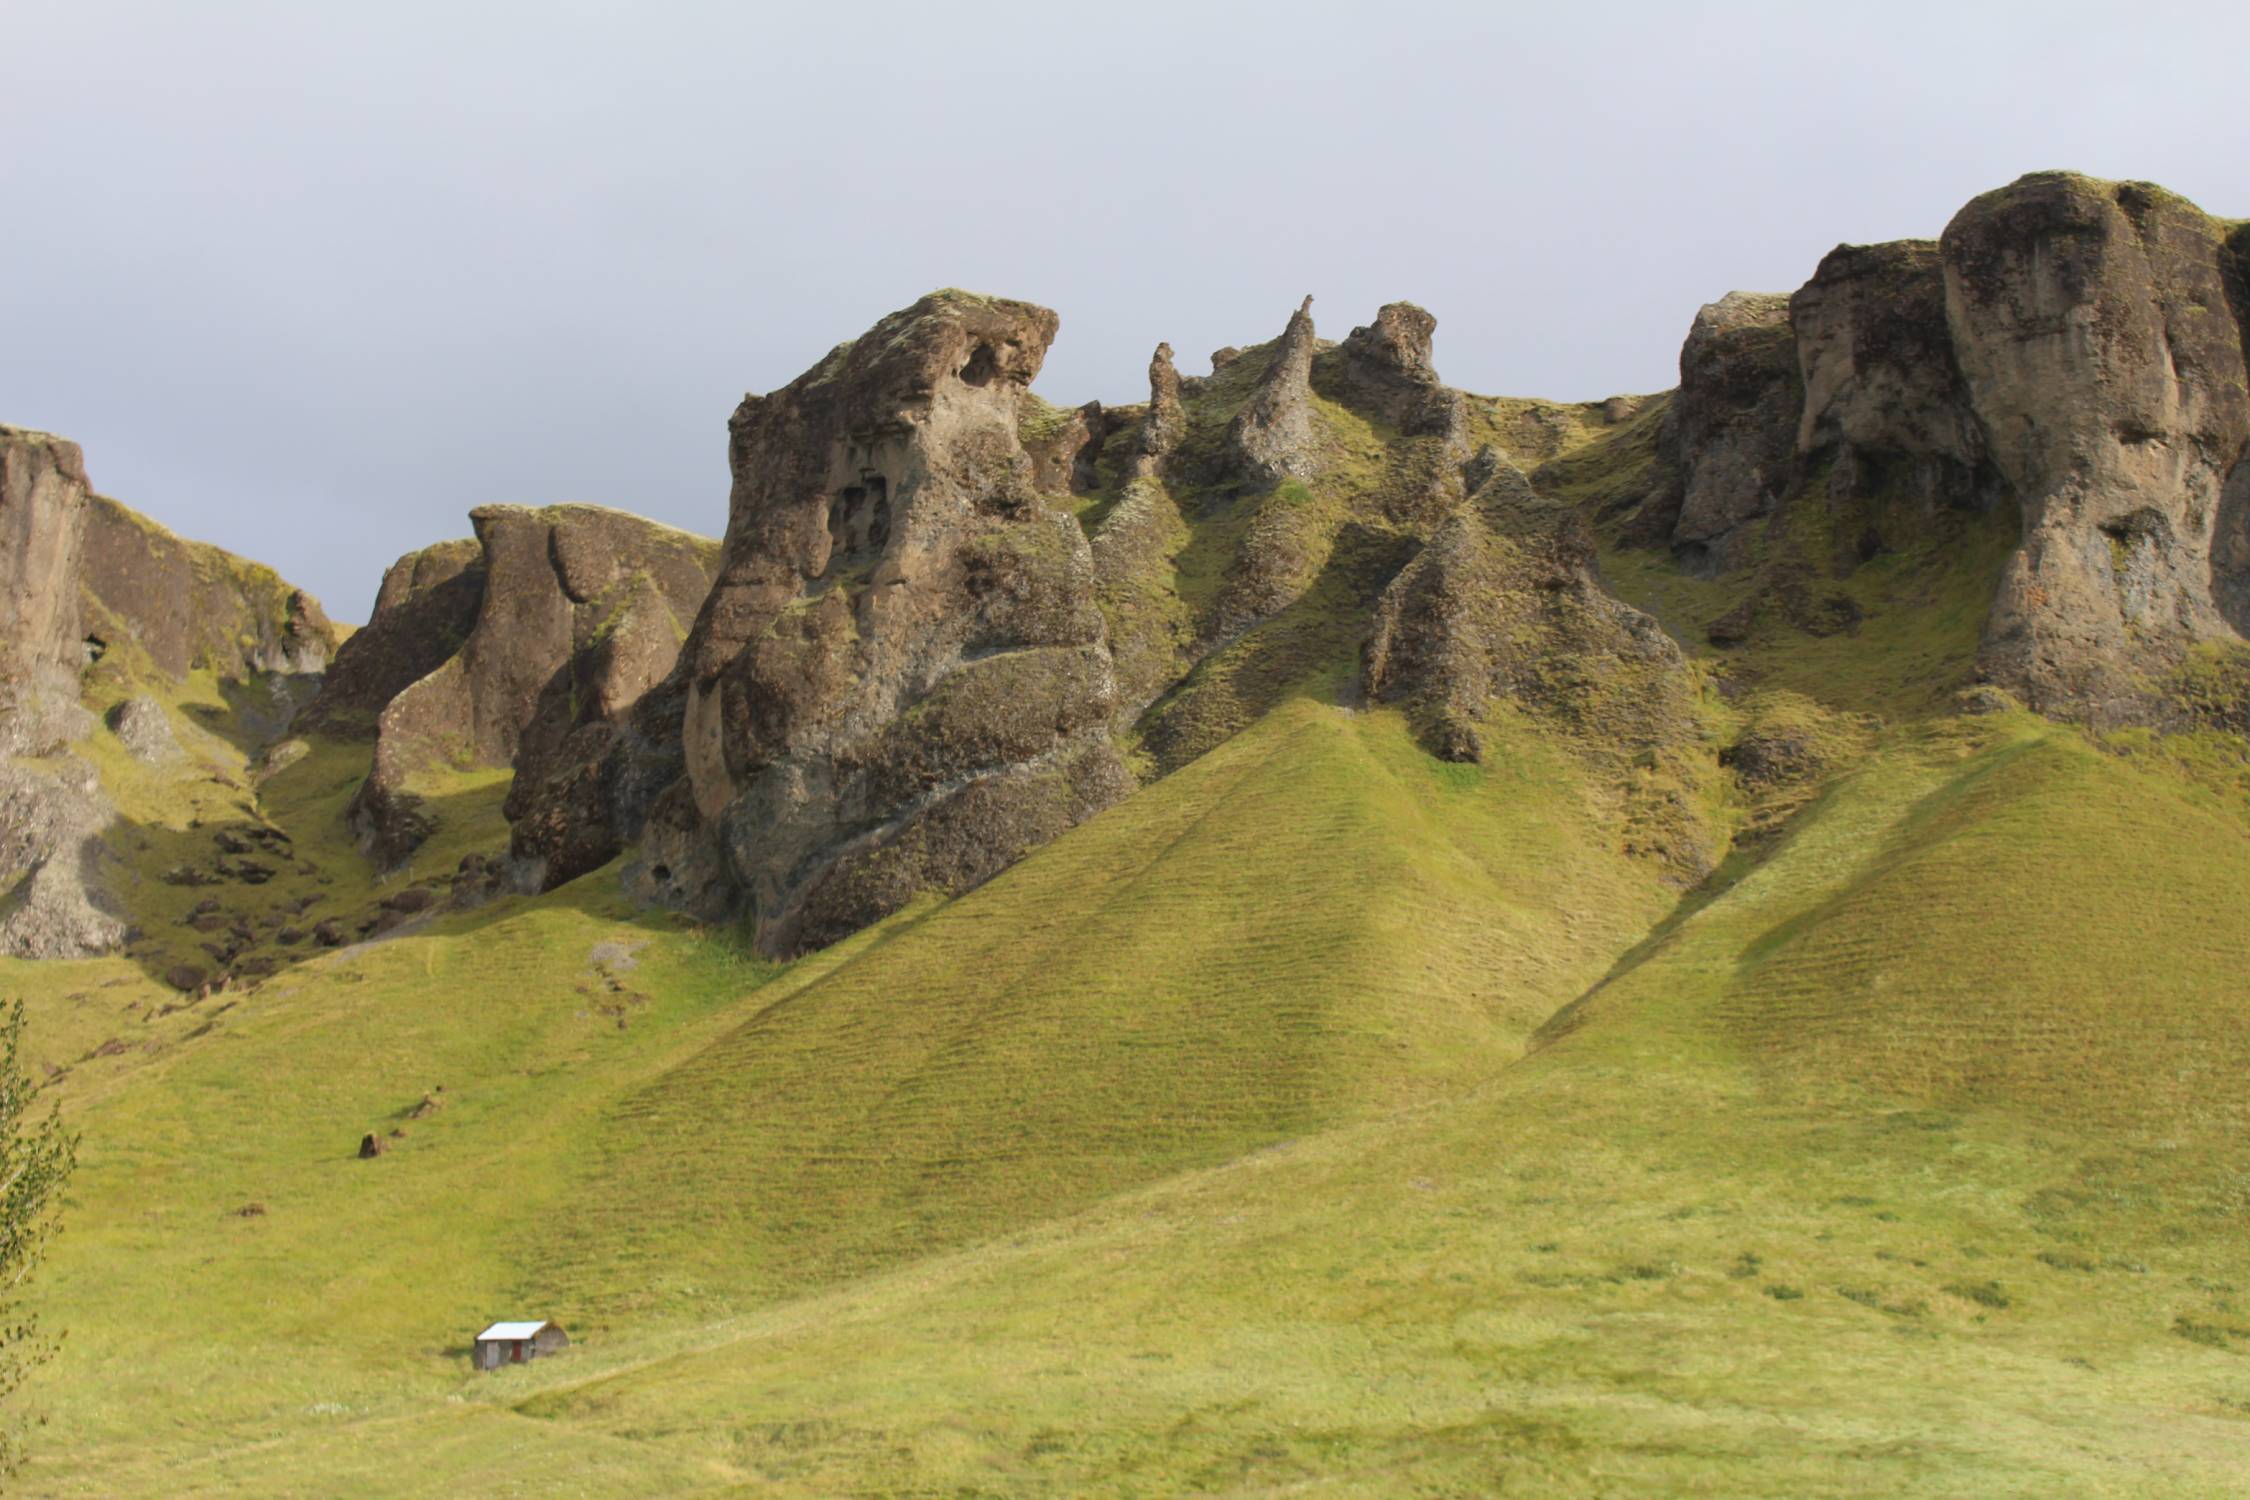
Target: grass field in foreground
[(1906, 1160)]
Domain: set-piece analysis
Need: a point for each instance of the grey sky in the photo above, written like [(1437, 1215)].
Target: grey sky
[(310, 280)]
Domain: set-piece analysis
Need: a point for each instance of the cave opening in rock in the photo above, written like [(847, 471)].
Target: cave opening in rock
[(983, 364), (842, 512)]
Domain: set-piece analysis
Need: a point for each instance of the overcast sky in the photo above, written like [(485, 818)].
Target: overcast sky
[(311, 280)]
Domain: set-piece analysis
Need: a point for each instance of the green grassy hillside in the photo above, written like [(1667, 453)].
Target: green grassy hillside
[(1190, 1156)]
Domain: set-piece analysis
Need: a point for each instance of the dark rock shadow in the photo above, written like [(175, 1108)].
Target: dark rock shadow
[(2230, 549)]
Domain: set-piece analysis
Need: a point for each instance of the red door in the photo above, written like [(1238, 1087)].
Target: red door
[(515, 1352)]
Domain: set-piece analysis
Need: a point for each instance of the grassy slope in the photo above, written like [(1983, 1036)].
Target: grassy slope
[(1315, 922), (1681, 1247), (1310, 923)]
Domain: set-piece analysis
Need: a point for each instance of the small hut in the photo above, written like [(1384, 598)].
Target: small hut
[(515, 1343)]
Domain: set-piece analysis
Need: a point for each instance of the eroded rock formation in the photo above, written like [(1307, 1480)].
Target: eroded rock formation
[(52, 898), (1273, 437), (1385, 368), (1165, 421), (1731, 429), (900, 681), (424, 610), (188, 604), (577, 612), (2102, 344), (1483, 613), (942, 603), (42, 522), (2071, 350), (82, 577)]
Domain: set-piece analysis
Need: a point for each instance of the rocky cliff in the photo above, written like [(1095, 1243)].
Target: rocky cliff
[(2071, 353), (900, 680), (524, 649), (84, 580), (949, 619), (43, 501)]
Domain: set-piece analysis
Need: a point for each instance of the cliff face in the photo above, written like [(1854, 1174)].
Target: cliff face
[(2070, 350), (81, 577), (1730, 429), (523, 649), (188, 604), (2102, 344), (949, 620), (84, 573), (900, 680), (424, 610), (42, 526)]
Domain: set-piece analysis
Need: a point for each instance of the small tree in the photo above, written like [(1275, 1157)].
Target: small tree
[(36, 1158)]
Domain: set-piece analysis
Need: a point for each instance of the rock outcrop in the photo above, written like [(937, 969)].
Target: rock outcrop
[(1482, 614), (1385, 369), (1064, 444), (1885, 405), (1273, 437), (2071, 350), (42, 524), (424, 611), (1165, 422), (189, 604), (909, 662), (1730, 432), (1485, 616), (84, 573), (52, 903), (2100, 329), (82, 577), (579, 611), (900, 681)]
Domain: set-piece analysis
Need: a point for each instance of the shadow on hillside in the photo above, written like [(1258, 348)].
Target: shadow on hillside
[(1744, 859), (1308, 648), (234, 900), (258, 712)]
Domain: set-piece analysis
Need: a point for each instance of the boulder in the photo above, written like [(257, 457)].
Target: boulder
[(141, 727)]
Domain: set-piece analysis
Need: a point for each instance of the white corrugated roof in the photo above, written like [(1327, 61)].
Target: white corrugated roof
[(512, 1330)]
